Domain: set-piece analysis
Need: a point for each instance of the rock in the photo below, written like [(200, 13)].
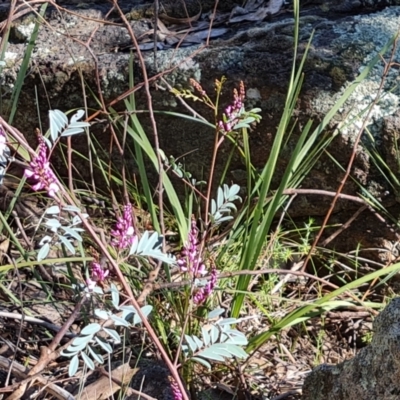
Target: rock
[(258, 53), (373, 374)]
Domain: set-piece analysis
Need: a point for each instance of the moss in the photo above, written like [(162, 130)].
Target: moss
[(339, 77)]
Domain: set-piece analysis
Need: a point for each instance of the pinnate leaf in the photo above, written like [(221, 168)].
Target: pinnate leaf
[(150, 246), (91, 329)]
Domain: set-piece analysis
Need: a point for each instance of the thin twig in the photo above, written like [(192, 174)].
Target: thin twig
[(344, 226), (34, 320)]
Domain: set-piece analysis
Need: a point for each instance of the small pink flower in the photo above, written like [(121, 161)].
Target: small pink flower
[(124, 233), (41, 171), (205, 292), (232, 113), (175, 389), (191, 260), (98, 273), (90, 284)]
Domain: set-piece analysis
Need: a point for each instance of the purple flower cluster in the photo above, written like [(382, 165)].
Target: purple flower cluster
[(41, 172), (124, 233), (192, 263), (205, 291), (175, 389), (98, 274), (232, 112), (191, 260)]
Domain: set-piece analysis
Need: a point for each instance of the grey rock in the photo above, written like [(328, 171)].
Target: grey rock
[(373, 374)]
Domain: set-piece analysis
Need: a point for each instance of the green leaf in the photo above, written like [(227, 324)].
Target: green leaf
[(220, 198), (102, 314), (199, 343), (218, 348), (237, 338), (120, 321), (53, 223), (215, 313), (210, 354), (237, 351), (206, 336), (67, 244), (73, 366), (43, 252), (192, 344), (214, 334), (88, 361), (146, 310), (114, 334), (91, 329), (115, 296), (142, 141), (58, 121), (53, 210), (67, 353), (104, 345), (202, 361), (308, 311), (127, 312), (150, 246), (79, 344), (96, 357), (72, 232)]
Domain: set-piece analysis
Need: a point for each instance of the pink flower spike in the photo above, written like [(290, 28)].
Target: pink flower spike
[(98, 273), (191, 260), (124, 233), (203, 294), (175, 389), (41, 171), (233, 112)]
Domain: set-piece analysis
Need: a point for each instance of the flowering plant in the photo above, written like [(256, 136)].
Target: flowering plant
[(124, 233), (41, 172)]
